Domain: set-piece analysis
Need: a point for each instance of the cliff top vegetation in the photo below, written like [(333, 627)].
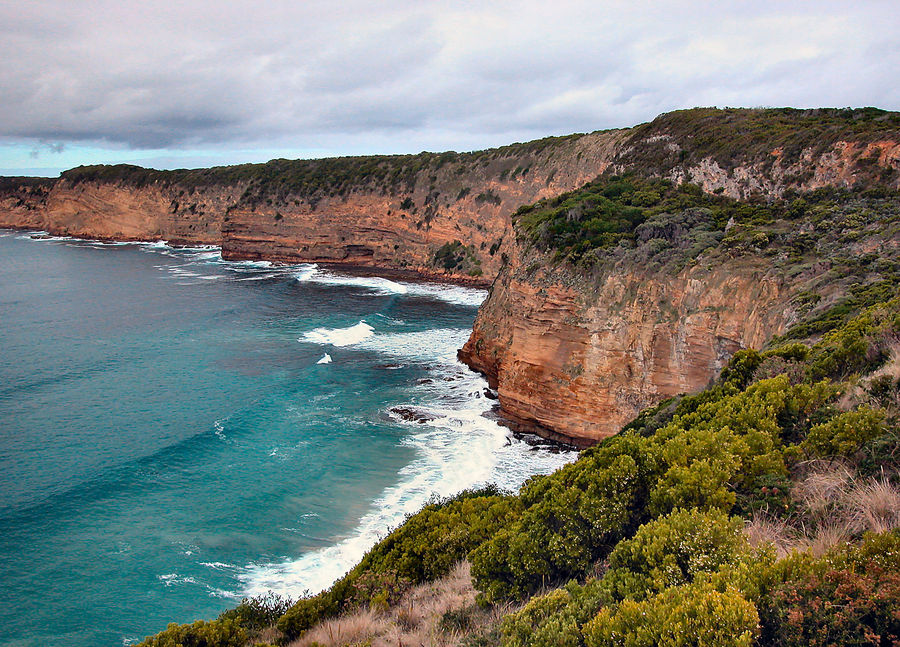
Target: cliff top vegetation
[(738, 136), (316, 177)]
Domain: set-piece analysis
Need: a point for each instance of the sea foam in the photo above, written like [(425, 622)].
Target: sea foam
[(458, 295), (339, 336)]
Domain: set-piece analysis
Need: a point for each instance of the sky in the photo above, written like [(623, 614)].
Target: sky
[(169, 85)]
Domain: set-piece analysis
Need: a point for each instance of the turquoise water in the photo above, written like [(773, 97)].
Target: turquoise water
[(173, 436)]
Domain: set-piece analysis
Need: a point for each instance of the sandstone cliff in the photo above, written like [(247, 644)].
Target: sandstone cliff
[(575, 357), (440, 215), (577, 340)]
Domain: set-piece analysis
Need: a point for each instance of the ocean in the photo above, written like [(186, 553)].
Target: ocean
[(178, 432)]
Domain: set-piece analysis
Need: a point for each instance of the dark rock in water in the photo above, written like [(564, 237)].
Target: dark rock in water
[(40, 236), (490, 394), (425, 380), (411, 414)]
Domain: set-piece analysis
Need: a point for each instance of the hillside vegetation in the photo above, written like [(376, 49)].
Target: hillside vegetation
[(738, 136), (279, 178)]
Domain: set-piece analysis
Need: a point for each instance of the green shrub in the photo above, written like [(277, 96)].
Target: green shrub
[(857, 346), (218, 633), (682, 616), (671, 551), (725, 444), (258, 612), (846, 433), (555, 618), (572, 518)]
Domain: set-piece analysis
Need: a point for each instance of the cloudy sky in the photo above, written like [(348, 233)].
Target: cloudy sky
[(211, 82)]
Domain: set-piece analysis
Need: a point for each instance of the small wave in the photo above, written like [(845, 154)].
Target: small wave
[(218, 565), (259, 277), (220, 429), (249, 264), (437, 344), (171, 579), (313, 274), (326, 359), (454, 294), (207, 256), (339, 336)]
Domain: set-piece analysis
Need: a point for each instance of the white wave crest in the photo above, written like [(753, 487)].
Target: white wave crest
[(313, 274), (339, 336), (455, 294), (326, 359), (438, 344)]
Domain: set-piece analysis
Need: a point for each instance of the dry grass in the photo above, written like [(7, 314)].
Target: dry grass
[(763, 529), (833, 507), (823, 487), (348, 629), (415, 621), (860, 392), (874, 506)]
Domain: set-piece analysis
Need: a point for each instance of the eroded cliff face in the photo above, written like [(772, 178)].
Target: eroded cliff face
[(120, 212), (575, 357), (466, 201), (447, 221)]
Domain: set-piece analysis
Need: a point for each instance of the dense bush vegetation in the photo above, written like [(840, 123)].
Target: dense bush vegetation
[(614, 209), (736, 136)]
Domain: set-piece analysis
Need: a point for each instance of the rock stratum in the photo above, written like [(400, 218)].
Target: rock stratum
[(577, 334)]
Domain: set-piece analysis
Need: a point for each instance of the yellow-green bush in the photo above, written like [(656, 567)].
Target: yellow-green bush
[(681, 616), (571, 519), (671, 551), (728, 443), (555, 618), (845, 433), (218, 633)]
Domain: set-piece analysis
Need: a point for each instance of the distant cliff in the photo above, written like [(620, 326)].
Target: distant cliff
[(442, 215), (642, 259)]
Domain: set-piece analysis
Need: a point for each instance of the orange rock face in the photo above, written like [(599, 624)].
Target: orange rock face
[(575, 357), (114, 211)]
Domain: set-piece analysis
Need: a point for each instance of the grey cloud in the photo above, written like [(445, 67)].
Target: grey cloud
[(406, 74)]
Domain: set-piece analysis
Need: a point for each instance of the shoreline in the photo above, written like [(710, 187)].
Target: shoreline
[(351, 267)]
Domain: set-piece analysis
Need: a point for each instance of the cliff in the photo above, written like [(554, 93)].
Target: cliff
[(440, 215), (629, 291)]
